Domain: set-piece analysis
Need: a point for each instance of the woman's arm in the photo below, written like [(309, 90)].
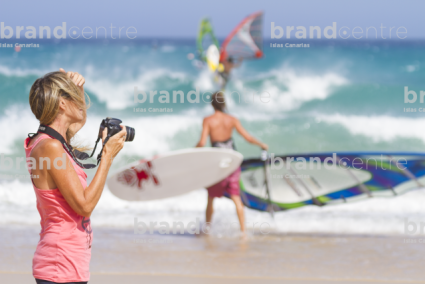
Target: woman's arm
[(247, 136), (82, 201), (79, 81), (204, 134)]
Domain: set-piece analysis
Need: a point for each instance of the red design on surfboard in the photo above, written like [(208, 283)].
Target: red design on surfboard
[(138, 175)]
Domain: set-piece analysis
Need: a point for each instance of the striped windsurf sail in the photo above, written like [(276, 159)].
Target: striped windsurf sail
[(246, 40)]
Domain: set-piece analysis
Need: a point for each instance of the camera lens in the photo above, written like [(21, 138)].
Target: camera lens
[(130, 134)]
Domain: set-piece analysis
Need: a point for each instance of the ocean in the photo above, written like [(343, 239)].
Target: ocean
[(332, 96)]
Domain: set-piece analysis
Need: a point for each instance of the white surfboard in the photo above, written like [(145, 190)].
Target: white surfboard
[(174, 173), (213, 57)]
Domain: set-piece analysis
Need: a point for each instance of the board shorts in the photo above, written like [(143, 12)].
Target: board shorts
[(229, 185)]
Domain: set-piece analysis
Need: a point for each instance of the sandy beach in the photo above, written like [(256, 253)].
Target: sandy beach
[(120, 256)]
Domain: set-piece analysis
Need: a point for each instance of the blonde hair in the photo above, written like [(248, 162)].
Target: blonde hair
[(45, 96)]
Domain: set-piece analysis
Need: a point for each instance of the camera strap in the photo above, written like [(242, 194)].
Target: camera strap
[(74, 153)]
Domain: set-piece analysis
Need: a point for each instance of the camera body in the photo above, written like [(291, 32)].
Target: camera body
[(113, 126)]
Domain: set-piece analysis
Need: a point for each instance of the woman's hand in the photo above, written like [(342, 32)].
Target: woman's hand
[(115, 143), (77, 78)]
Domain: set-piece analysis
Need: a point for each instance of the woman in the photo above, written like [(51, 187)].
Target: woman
[(64, 201), (219, 127)]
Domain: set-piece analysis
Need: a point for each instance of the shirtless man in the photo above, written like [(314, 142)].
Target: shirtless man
[(219, 127)]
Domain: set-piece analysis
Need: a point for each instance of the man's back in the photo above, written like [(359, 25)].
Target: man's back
[(220, 126)]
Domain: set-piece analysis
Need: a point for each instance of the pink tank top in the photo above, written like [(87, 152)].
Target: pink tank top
[(64, 250)]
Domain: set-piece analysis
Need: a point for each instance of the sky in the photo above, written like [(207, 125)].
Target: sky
[(180, 18)]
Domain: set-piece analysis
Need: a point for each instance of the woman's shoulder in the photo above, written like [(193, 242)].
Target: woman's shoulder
[(34, 140), (46, 144)]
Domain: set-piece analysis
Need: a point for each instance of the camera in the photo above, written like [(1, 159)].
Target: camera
[(113, 126)]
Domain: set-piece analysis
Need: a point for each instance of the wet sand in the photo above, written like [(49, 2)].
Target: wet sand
[(120, 256)]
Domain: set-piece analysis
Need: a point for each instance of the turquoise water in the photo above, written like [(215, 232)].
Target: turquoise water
[(338, 96), (333, 96)]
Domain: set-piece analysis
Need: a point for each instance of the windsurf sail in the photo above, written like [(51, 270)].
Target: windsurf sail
[(306, 180), (246, 40), (206, 38)]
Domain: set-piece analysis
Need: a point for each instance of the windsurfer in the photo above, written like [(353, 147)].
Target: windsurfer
[(228, 64)]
